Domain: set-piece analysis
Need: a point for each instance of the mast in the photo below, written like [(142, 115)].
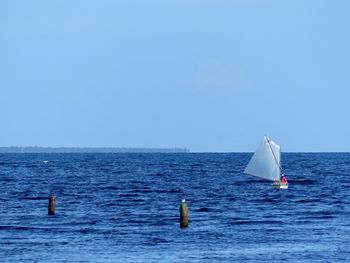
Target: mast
[(274, 156)]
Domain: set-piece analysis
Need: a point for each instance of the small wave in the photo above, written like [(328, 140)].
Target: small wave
[(128, 195), (158, 174), (111, 204), (143, 191), (319, 217), (154, 241), (307, 200), (18, 228), (85, 231), (303, 181), (168, 191), (244, 183), (91, 222), (111, 188), (203, 209), (300, 221), (339, 202), (256, 222), (33, 198)]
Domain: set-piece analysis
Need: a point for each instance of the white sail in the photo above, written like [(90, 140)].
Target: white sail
[(266, 161)]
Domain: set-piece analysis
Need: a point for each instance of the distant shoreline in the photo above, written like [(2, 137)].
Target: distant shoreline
[(35, 149)]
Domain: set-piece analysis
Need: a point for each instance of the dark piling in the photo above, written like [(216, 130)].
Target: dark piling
[(52, 205), (183, 214)]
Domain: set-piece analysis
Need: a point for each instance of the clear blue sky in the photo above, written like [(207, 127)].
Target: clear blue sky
[(207, 75)]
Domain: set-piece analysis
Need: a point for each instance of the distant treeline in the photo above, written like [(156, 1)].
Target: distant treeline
[(90, 150)]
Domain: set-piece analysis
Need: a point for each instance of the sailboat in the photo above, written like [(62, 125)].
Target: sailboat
[(266, 163)]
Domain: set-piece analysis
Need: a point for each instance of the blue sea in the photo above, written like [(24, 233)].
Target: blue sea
[(125, 208)]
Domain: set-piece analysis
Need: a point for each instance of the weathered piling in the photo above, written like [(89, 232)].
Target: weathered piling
[(183, 214), (52, 205)]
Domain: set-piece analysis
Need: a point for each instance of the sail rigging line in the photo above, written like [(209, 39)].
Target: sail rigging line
[(274, 156)]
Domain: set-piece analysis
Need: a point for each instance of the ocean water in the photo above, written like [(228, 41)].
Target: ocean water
[(125, 208)]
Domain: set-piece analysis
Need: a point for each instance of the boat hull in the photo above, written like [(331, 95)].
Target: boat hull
[(280, 186)]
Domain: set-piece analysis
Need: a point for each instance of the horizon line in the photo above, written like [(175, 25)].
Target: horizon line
[(65, 149), (113, 149)]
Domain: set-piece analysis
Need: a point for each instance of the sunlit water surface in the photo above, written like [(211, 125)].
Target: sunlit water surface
[(125, 208)]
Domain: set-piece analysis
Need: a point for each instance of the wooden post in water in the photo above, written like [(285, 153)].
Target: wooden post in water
[(183, 214), (52, 205)]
